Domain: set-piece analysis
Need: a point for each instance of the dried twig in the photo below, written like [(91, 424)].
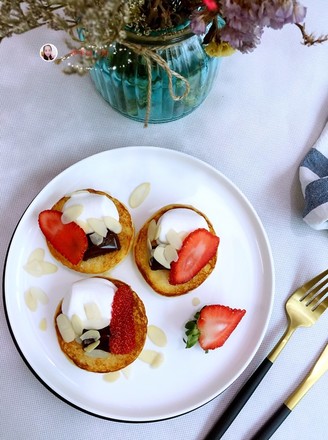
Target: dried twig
[(310, 39)]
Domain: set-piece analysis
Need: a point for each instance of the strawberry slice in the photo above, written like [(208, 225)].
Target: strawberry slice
[(68, 239), (212, 326), (122, 339), (198, 248)]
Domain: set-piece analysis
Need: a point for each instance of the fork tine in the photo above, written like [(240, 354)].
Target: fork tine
[(318, 298), (310, 284), (320, 308), (315, 293)]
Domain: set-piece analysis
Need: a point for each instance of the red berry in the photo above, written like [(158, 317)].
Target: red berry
[(198, 248), (216, 323), (68, 239), (122, 339)]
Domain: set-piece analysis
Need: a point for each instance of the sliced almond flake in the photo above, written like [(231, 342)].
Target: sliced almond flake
[(98, 226), (96, 238), (151, 357), (34, 268), (157, 335), (48, 268), (195, 301), (77, 324), (43, 325), (147, 356), (157, 232), (37, 254), (170, 254), (40, 295), (92, 311), (127, 371), (157, 362), (38, 268), (112, 377), (72, 213), (139, 194), (89, 348), (90, 334), (96, 353), (159, 256), (30, 300), (151, 231), (113, 225), (65, 328), (174, 239), (85, 226), (149, 246)]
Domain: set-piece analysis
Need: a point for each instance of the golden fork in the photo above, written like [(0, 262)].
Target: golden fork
[(303, 308), (273, 423)]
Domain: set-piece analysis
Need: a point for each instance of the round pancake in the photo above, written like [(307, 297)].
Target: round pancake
[(106, 262), (158, 280), (114, 362)]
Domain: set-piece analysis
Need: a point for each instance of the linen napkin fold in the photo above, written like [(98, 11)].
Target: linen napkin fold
[(313, 174)]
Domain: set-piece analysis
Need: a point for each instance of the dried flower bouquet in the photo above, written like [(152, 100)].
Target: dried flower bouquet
[(104, 21)]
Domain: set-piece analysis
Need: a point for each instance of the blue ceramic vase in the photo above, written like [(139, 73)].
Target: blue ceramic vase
[(123, 76)]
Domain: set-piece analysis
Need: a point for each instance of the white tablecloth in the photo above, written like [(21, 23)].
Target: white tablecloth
[(266, 110)]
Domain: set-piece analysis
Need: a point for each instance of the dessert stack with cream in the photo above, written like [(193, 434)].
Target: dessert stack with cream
[(88, 231), (101, 324), (176, 249)]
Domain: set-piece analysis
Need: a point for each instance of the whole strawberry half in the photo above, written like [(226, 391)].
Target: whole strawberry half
[(198, 248), (68, 239), (212, 326), (122, 339)]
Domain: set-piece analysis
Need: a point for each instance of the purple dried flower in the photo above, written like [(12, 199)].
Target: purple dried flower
[(277, 15), (244, 41), (299, 13), (246, 19), (197, 24)]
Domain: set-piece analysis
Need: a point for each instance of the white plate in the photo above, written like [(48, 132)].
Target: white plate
[(242, 278)]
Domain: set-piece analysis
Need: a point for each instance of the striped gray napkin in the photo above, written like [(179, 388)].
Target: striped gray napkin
[(313, 175)]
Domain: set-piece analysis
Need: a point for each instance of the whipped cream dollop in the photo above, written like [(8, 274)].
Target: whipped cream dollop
[(181, 220), (91, 300), (94, 213), (94, 205)]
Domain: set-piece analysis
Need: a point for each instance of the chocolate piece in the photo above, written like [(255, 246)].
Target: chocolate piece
[(155, 265), (110, 243), (104, 339)]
